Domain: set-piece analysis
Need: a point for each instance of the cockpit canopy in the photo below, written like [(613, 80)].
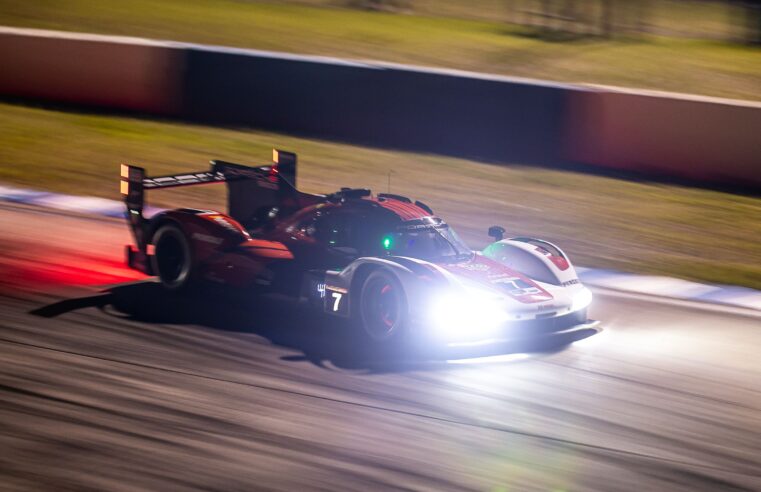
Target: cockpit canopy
[(375, 231), (431, 240)]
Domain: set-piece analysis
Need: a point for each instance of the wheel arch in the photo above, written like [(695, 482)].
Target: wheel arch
[(182, 278), (352, 277), (404, 275), (158, 221), (358, 280)]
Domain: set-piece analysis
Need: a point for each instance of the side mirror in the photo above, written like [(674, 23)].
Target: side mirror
[(497, 232)]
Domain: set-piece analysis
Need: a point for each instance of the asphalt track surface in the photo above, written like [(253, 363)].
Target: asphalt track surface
[(127, 389)]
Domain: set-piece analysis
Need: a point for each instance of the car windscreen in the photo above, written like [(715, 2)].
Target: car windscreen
[(431, 243)]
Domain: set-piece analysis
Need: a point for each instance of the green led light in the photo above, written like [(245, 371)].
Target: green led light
[(387, 242)]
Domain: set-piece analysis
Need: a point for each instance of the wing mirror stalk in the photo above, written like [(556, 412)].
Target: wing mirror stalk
[(497, 232)]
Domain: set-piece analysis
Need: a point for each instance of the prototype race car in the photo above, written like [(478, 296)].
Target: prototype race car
[(388, 264)]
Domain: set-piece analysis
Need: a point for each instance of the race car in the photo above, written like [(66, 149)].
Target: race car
[(387, 263)]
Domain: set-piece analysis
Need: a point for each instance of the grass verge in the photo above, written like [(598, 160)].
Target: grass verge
[(601, 222), (664, 63)]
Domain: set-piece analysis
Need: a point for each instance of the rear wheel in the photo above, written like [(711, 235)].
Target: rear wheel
[(383, 309), (172, 258)]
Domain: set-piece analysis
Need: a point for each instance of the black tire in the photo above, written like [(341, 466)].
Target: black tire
[(383, 313), (172, 258)]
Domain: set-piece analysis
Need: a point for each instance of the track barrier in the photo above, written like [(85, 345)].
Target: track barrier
[(485, 117)]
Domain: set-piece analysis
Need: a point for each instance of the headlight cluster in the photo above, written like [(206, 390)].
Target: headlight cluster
[(476, 314), (470, 314), (582, 299)]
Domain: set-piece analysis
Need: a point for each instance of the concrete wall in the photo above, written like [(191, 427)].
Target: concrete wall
[(703, 139), (91, 70), (492, 118)]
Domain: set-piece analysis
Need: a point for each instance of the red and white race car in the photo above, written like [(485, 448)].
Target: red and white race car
[(386, 262)]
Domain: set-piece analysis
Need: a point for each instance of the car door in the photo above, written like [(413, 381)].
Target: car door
[(337, 236), (320, 240)]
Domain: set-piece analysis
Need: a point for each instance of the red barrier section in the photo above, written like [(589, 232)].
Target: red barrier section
[(91, 70), (494, 118), (704, 139)]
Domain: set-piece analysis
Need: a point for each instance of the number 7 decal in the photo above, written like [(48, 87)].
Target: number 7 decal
[(336, 304)]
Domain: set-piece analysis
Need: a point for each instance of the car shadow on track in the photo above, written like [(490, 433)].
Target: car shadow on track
[(317, 338)]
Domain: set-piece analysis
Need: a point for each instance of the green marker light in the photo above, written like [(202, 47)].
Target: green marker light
[(387, 242)]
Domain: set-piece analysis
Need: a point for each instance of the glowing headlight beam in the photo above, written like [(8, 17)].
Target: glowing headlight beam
[(471, 314), (582, 299)]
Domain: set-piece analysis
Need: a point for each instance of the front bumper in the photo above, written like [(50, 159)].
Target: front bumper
[(543, 325), (522, 334), (528, 329)]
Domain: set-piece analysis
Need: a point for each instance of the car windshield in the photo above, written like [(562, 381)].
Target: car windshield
[(432, 243)]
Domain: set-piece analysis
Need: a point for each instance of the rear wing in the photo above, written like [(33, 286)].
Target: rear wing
[(250, 189)]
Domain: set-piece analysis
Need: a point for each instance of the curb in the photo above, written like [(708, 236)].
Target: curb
[(658, 286), (69, 203), (673, 288)]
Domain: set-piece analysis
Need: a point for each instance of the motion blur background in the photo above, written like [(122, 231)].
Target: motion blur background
[(730, 20), (626, 131), (592, 166)]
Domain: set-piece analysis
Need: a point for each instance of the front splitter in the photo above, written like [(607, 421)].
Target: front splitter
[(576, 332)]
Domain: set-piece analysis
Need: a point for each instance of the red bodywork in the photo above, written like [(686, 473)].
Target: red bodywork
[(489, 272), (274, 236), (277, 256)]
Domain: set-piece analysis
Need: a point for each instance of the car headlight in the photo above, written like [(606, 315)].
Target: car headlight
[(472, 313), (581, 299)]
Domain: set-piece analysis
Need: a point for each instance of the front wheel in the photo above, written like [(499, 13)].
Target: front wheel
[(172, 258), (383, 309)]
